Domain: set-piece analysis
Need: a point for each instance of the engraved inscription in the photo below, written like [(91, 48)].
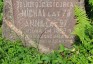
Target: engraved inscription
[(47, 22)]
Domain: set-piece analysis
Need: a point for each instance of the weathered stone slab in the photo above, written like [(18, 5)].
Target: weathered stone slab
[(41, 23)]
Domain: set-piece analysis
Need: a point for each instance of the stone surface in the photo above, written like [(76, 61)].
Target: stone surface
[(41, 23)]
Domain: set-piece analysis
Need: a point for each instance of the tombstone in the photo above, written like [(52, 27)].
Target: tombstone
[(44, 24)]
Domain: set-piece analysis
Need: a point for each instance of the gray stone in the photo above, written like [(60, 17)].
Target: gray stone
[(44, 24)]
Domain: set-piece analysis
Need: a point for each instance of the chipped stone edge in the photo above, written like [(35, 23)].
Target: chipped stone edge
[(20, 33)]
